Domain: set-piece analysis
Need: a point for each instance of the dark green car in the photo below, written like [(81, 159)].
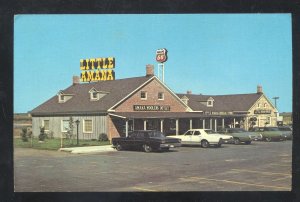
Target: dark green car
[(269, 133), (240, 135)]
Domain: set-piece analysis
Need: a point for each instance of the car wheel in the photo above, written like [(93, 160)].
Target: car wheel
[(147, 148), (268, 139), (204, 144), (248, 142), (118, 147), (237, 141)]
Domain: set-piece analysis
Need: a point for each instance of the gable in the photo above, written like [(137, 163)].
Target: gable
[(170, 101)]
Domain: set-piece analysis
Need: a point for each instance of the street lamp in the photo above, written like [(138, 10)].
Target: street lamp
[(77, 123), (275, 98)]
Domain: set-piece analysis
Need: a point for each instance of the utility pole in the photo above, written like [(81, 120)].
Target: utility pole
[(275, 99)]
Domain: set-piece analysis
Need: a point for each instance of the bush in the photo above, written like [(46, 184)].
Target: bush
[(24, 135), (103, 137), (42, 135)]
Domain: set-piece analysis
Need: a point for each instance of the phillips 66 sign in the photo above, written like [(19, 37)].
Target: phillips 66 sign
[(161, 55)]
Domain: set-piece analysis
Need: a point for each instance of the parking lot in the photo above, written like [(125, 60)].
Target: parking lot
[(261, 166)]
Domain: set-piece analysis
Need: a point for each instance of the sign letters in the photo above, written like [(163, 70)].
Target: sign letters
[(161, 55), (151, 107), (97, 69)]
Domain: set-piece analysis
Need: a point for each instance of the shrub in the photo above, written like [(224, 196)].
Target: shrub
[(103, 137), (24, 135), (42, 135)]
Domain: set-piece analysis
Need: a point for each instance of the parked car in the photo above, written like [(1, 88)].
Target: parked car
[(202, 137), (241, 135), (269, 133), (287, 132), (147, 140)]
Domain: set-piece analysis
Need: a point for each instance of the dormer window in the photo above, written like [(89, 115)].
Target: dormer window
[(210, 102), (62, 97), (96, 95), (185, 99)]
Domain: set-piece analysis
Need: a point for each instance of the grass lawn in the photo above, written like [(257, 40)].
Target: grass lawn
[(55, 144)]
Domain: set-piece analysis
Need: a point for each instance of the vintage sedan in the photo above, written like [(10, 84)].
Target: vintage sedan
[(202, 137), (269, 133), (240, 135), (147, 140), (287, 132)]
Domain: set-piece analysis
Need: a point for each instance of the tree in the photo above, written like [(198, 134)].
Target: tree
[(70, 130)]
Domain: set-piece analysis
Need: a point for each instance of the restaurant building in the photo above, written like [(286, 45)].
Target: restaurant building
[(115, 107)]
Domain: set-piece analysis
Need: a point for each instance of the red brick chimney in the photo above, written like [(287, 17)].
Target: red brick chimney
[(149, 70), (76, 80)]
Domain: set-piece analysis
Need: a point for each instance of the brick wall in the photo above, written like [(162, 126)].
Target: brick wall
[(152, 90)]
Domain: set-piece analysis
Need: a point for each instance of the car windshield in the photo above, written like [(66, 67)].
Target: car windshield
[(285, 129), (236, 130), (209, 131), (156, 134)]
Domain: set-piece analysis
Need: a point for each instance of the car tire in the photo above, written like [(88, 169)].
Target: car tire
[(147, 148), (119, 147), (236, 141), (204, 144), (248, 142), (268, 139)]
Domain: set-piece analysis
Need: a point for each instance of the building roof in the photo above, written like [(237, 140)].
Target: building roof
[(80, 102), (222, 103)]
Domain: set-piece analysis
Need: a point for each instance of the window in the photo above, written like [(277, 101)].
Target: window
[(143, 95), (161, 96), (65, 126), (61, 98), (209, 103), (258, 105), (46, 125), (87, 126), (94, 95), (197, 132), (265, 105), (190, 132)]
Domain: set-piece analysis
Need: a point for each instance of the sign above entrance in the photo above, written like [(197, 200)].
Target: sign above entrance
[(97, 69), (262, 111), (151, 107), (161, 55)]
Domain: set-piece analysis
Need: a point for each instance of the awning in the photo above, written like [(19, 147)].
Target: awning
[(170, 115)]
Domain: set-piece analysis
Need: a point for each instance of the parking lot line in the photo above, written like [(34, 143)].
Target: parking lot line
[(144, 189), (242, 183), (283, 178), (260, 172)]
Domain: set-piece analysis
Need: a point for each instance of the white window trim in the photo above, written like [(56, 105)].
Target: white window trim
[(146, 95), (210, 101), (60, 100), (92, 96), (44, 124), (163, 96), (62, 126), (83, 128)]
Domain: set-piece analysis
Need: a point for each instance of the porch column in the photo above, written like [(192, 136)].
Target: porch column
[(161, 125), (215, 124), (145, 124), (177, 126), (203, 121), (234, 122), (210, 124), (223, 125), (191, 123), (126, 128), (132, 124)]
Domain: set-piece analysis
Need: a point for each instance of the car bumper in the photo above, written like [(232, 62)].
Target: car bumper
[(170, 145), (227, 141)]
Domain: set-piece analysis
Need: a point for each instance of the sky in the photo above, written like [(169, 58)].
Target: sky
[(210, 54)]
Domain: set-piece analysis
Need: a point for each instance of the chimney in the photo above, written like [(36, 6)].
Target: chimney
[(259, 89), (149, 70), (188, 92), (76, 80)]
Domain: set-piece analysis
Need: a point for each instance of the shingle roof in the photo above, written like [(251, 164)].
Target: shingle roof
[(222, 103), (80, 102)]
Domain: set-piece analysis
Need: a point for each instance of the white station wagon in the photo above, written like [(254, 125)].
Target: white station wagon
[(203, 137)]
